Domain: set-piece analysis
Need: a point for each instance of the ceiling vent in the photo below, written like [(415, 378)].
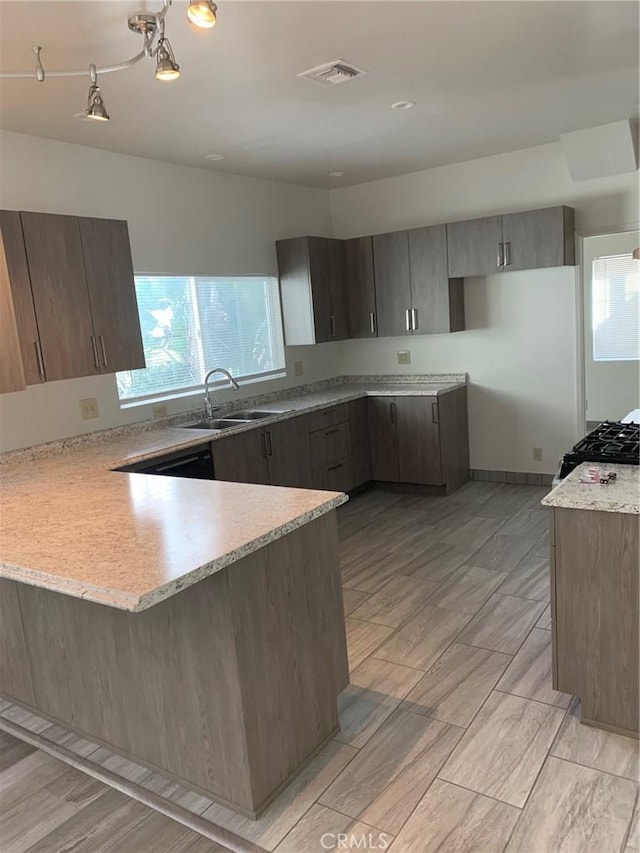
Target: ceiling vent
[(333, 73)]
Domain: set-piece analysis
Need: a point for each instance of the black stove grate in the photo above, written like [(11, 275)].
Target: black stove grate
[(617, 443)]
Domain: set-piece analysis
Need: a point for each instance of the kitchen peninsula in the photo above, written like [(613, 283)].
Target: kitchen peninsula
[(195, 627)]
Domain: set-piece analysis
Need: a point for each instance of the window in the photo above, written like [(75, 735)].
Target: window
[(192, 324), (615, 317)]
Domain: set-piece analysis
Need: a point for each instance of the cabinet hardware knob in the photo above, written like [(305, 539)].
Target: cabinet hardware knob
[(39, 358), (95, 353), (104, 351)]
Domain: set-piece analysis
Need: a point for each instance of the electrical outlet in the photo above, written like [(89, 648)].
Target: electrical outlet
[(404, 356), (537, 454), (298, 368), (160, 411), (89, 408)]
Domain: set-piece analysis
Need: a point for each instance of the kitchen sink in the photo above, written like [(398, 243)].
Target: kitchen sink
[(253, 415), (216, 423)]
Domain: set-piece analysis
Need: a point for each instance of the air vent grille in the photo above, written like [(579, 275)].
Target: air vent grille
[(333, 73)]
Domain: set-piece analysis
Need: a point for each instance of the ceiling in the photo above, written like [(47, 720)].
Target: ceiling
[(487, 77)]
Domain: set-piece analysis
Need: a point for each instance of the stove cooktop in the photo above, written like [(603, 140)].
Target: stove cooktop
[(611, 442)]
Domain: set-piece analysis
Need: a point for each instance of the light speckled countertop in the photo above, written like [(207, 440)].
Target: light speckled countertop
[(70, 523), (621, 496)]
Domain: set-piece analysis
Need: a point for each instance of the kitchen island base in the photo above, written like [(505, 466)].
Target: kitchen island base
[(228, 687)]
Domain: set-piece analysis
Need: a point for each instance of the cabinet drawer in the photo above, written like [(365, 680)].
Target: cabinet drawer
[(335, 477), (328, 417), (330, 444)]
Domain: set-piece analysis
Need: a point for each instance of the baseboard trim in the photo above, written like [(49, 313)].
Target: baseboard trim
[(518, 478)]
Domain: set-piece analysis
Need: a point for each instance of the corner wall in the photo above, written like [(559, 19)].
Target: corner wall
[(181, 221), (522, 346)]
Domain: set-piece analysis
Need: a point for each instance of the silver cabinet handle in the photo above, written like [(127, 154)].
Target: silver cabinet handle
[(332, 431), (499, 262), (269, 445), (434, 413), (372, 323), (414, 319), (104, 351), (335, 467), (39, 358), (506, 258), (332, 326), (407, 319), (95, 353), (392, 412)]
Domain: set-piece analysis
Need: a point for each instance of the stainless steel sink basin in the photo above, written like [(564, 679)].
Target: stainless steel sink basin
[(252, 415), (216, 424)]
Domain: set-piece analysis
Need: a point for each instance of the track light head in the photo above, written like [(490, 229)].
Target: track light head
[(202, 13), (96, 109), (166, 68)]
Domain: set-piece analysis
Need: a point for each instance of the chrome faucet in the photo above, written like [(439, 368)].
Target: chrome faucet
[(209, 407)]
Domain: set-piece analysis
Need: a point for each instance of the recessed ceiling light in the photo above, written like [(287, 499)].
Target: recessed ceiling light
[(403, 105), (213, 157), (336, 174)]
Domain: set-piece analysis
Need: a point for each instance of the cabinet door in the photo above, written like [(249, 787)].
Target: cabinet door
[(419, 441), (538, 238), (295, 291), (17, 270), (60, 295), (359, 281), (241, 458), (383, 438), (320, 281), (436, 300), (393, 288), (359, 431), (474, 246), (109, 272), (11, 370), (454, 438), (339, 299), (288, 453)]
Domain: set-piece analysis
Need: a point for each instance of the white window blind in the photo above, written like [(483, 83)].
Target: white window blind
[(192, 324), (615, 291)]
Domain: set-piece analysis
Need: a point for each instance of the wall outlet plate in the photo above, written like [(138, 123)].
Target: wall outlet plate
[(160, 411), (89, 408), (298, 368), (404, 356), (537, 454)]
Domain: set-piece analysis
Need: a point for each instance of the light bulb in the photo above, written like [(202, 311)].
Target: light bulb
[(202, 13)]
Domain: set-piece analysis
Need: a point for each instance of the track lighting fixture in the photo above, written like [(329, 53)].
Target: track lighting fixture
[(96, 110), (202, 13), (155, 45), (166, 68)]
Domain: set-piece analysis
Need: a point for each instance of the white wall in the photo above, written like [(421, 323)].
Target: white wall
[(181, 220), (521, 349)]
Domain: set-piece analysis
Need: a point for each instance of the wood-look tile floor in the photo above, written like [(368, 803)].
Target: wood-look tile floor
[(452, 740)]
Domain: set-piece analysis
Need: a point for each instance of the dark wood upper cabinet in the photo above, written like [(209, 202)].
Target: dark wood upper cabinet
[(23, 366), (72, 294), (60, 295), (360, 286), (314, 299), (539, 238), (109, 272), (531, 239), (437, 301), (392, 283), (474, 246)]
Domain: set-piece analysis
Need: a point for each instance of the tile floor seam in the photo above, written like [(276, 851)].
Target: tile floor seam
[(531, 699)]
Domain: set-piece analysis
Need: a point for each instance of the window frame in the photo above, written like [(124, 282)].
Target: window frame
[(275, 319)]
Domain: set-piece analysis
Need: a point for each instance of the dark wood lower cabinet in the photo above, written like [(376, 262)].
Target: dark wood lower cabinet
[(288, 455), (420, 440), (241, 458), (359, 432)]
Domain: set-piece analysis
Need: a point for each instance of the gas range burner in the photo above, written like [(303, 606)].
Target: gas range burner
[(610, 442)]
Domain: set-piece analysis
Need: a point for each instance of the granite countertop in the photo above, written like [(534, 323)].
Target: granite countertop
[(72, 524), (623, 495)]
